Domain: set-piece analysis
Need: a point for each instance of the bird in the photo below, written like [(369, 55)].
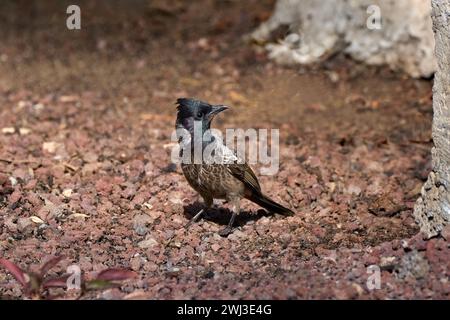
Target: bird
[(226, 178)]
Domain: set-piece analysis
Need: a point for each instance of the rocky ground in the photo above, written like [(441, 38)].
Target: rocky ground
[(85, 170)]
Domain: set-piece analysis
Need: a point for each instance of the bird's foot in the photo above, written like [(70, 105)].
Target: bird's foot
[(225, 231), (190, 223)]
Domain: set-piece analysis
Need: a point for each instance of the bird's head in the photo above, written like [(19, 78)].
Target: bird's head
[(191, 110)]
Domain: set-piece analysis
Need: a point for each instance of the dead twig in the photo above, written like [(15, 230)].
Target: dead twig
[(70, 167), (19, 161)]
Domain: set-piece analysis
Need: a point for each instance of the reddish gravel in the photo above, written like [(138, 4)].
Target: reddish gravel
[(86, 119)]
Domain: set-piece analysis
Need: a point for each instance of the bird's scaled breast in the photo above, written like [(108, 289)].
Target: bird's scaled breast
[(212, 179)]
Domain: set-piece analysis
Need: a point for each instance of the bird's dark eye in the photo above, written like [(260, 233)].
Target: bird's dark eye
[(200, 114)]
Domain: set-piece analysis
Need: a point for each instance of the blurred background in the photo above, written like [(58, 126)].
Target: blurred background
[(150, 52)]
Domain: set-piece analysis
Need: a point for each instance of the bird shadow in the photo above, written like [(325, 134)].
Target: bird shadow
[(222, 215)]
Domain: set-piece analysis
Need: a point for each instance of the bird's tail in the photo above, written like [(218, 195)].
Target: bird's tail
[(269, 204)]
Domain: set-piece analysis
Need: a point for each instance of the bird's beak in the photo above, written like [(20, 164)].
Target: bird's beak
[(217, 109)]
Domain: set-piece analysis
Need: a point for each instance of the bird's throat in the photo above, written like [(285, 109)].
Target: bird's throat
[(199, 132)]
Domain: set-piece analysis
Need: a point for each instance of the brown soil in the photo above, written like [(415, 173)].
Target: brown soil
[(92, 111)]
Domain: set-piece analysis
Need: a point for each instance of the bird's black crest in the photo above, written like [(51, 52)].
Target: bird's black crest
[(188, 103), (185, 106)]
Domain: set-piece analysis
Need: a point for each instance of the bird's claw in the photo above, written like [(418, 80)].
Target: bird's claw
[(225, 232)]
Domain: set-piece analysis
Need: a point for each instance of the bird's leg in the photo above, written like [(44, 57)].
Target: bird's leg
[(229, 228), (208, 204), (194, 218)]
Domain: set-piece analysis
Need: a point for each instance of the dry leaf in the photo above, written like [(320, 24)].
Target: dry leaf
[(8, 130), (24, 131), (79, 215), (68, 99), (36, 220), (67, 193)]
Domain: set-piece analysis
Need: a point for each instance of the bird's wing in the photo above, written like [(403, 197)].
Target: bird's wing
[(244, 173), (237, 167)]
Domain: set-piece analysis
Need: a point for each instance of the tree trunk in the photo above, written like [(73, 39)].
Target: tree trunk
[(432, 210), (397, 33)]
